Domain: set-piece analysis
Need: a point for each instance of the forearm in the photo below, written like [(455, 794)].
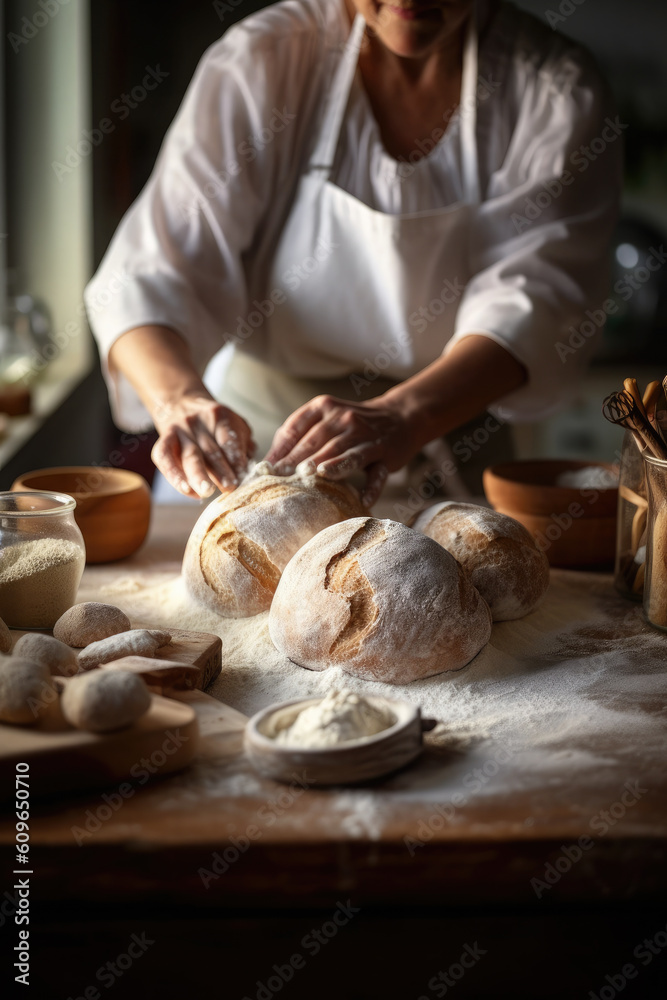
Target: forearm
[(202, 443), (455, 388), (157, 363)]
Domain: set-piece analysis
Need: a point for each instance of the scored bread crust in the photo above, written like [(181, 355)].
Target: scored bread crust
[(379, 599), (242, 542), (501, 556)]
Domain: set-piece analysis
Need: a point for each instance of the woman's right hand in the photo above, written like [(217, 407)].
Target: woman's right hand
[(202, 445)]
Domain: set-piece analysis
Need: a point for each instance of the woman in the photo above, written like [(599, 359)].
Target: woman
[(382, 207)]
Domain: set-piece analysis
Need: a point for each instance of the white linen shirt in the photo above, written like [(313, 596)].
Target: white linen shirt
[(194, 250)]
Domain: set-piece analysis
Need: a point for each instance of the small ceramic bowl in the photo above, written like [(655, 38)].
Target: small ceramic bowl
[(347, 763), (113, 506), (574, 526)]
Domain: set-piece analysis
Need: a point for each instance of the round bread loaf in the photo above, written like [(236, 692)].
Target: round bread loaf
[(500, 555), (242, 542), (379, 599)]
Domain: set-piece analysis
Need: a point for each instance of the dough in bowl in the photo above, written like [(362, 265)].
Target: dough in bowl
[(501, 556), (243, 540), (379, 599)]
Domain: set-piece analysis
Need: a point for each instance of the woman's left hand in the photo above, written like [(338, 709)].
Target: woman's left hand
[(340, 438)]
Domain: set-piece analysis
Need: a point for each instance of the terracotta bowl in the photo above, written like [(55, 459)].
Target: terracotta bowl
[(113, 506), (575, 527)]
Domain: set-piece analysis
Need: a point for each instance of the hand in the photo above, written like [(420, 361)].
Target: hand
[(202, 445), (339, 438)]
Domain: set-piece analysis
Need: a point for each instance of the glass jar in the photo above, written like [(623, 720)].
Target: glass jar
[(655, 586), (631, 522), (42, 556)]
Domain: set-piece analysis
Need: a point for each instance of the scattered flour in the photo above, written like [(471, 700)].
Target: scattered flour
[(556, 709), (582, 675)]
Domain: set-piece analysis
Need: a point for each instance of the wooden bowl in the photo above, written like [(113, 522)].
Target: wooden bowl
[(113, 506), (347, 763), (574, 527)]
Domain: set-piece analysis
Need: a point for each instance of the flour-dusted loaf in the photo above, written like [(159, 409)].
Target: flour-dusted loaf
[(501, 557), (243, 541), (379, 599)]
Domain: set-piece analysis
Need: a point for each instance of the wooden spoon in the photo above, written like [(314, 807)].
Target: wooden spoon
[(650, 399), (630, 385)]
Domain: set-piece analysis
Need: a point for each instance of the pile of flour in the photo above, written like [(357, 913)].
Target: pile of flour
[(340, 717)]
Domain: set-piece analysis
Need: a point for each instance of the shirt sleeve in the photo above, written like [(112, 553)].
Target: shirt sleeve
[(540, 239), (177, 258)]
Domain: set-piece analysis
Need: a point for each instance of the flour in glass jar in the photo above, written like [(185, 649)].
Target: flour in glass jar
[(38, 581)]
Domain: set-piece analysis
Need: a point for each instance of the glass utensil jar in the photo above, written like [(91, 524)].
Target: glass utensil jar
[(631, 522), (655, 584), (42, 556)]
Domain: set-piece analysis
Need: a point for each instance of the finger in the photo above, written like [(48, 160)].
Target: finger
[(319, 440), (218, 469), (200, 477), (225, 483), (348, 461), (211, 469), (163, 458), (336, 431), (293, 429), (217, 465), (235, 440), (376, 477)]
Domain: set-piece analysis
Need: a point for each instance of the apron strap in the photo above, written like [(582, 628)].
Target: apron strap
[(325, 150)]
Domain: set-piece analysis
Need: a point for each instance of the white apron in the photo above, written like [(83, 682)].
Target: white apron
[(373, 272)]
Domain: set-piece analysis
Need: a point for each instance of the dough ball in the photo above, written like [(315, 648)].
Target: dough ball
[(101, 702), (54, 654), (379, 599), (136, 642), (26, 690), (500, 555), (243, 541), (90, 622), (5, 638)]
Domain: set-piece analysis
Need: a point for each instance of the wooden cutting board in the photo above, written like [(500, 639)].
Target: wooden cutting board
[(200, 649), (63, 759)]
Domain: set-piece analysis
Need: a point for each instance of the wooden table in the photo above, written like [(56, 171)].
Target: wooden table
[(237, 881)]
